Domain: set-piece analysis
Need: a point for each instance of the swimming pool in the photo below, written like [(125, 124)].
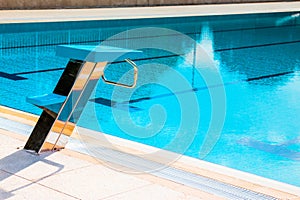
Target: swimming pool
[(257, 57)]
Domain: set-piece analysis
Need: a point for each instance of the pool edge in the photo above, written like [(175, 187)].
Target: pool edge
[(199, 167), (63, 15)]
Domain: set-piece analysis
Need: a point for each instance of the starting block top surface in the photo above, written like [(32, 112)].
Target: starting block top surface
[(92, 53), (46, 99)]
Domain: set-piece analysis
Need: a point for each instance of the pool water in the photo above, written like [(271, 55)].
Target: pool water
[(256, 57)]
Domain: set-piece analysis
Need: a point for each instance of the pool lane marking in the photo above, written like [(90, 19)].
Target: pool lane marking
[(12, 76), (154, 36), (255, 28), (151, 58), (39, 71), (269, 76), (53, 44), (16, 77), (210, 87), (257, 46), (123, 105)]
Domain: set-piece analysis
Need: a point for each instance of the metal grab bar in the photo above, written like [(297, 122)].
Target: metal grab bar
[(135, 76)]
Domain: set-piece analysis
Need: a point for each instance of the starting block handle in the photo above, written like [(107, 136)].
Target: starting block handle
[(135, 76)]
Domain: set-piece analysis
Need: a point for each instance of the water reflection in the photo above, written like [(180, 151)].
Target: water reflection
[(287, 19), (255, 56), (201, 57), (202, 54)]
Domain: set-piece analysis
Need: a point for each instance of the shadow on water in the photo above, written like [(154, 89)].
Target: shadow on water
[(277, 149)]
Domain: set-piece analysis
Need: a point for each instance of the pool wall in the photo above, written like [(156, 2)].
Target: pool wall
[(41, 4)]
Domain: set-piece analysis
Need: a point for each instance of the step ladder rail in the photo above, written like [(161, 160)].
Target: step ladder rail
[(96, 65)]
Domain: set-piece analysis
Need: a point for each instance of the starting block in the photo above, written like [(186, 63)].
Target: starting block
[(62, 108)]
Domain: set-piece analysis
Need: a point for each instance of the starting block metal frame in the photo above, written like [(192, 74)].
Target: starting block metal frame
[(62, 108)]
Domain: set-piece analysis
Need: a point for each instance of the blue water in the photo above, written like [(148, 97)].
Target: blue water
[(179, 103)]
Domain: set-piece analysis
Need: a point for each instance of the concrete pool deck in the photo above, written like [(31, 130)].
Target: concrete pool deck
[(59, 15), (70, 174)]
